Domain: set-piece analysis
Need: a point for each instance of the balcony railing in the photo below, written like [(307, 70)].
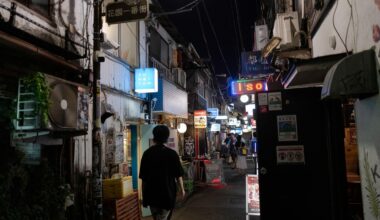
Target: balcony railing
[(163, 71)]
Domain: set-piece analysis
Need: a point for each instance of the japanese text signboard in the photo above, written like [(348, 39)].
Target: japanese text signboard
[(146, 80), (254, 65), (126, 11)]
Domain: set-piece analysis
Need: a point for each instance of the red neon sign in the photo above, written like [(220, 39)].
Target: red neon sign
[(241, 87)]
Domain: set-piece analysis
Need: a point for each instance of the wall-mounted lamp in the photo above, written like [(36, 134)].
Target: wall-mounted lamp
[(181, 128), (106, 111), (244, 98)]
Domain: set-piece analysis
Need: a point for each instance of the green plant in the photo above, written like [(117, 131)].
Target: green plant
[(372, 195), (37, 84), (30, 192)]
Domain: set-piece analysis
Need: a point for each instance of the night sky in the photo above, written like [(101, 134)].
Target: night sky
[(225, 16)]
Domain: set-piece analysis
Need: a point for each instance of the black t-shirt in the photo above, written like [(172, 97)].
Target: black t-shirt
[(160, 166)]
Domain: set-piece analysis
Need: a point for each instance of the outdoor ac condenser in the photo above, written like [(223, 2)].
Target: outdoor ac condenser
[(286, 26), (68, 106)]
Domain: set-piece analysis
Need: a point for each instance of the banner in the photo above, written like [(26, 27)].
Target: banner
[(252, 195)]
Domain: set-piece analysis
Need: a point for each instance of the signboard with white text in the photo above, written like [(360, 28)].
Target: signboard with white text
[(146, 80), (126, 11)]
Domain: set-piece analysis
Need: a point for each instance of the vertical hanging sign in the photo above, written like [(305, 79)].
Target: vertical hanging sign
[(252, 194), (200, 119)]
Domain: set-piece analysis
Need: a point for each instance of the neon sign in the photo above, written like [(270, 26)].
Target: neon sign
[(249, 86)]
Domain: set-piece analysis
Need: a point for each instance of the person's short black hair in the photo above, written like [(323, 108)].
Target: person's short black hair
[(161, 134)]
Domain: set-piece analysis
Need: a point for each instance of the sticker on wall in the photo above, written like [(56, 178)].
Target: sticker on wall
[(287, 128), (293, 154), (263, 102), (275, 101)]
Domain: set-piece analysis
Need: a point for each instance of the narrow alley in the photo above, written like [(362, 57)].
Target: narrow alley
[(222, 202)]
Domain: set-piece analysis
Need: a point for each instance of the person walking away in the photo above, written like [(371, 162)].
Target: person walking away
[(241, 162), (233, 150), (225, 149), (160, 171)]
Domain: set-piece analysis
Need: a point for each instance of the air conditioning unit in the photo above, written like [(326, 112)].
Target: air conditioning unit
[(68, 108), (286, 26), (180, 75)]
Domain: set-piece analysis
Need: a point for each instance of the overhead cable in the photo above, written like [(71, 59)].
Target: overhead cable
[(216, 39)]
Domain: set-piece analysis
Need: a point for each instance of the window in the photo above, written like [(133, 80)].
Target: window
[(159, 48), (40, 6)]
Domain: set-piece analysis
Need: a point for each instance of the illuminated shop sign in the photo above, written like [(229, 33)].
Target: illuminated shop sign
[(240, 87), (200, 119), (146, 80)]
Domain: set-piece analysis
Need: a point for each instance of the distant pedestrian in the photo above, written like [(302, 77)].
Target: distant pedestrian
[(160, 172), (233, 150), (241, 162)]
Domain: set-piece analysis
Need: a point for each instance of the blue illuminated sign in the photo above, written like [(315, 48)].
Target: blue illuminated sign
[(212, 112), (146, 80)]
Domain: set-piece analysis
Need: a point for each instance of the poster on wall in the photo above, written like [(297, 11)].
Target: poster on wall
[(275, 101), (252, 194), (287, 128), (110, 148), (263, 102), (119, 148), (173, 140), (189, 150)]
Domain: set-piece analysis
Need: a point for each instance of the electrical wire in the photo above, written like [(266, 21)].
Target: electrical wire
[(236, 34), (336, 30), (239, 27), (203, 34), (136, 38), (349, 21), (193, 3), (210, 66), (216, 39), (179, 10)]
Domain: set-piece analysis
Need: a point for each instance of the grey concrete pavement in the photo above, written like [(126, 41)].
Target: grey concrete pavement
[(216, 203)]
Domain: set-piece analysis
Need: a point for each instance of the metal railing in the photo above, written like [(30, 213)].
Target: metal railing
[(163, 71)]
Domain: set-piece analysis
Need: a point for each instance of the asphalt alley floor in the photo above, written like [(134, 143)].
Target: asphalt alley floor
[(216, 203)]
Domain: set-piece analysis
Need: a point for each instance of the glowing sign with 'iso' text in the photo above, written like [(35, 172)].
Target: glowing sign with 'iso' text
[(240, 87)]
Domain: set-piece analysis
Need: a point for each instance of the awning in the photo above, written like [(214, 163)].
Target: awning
[(354, 76), (46, 136), (310, 73)]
